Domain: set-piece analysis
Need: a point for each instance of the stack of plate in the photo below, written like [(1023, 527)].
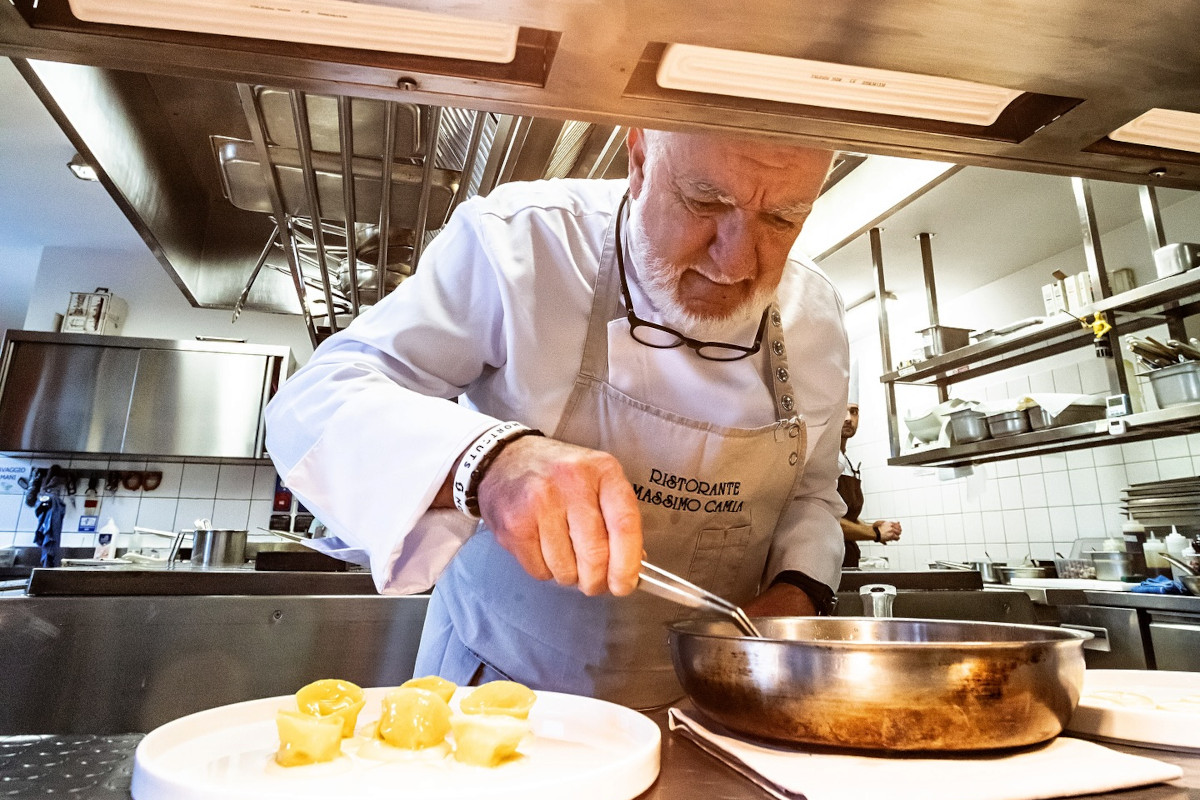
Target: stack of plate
[(1161, 503)]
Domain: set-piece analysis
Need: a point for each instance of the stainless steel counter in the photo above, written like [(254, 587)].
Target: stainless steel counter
[(109, 582), (106, 665), (100, 768)]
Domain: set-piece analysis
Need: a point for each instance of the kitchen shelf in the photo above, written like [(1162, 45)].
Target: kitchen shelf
[(1167, 300), (1135, 310), (1146, 425)]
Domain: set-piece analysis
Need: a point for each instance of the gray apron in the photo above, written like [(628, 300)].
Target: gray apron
[(710, 498)]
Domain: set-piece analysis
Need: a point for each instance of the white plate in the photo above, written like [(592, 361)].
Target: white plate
[(1151, 727), (581, 748)]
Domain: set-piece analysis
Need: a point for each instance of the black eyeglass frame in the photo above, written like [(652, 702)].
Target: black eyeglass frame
[(737, 351)]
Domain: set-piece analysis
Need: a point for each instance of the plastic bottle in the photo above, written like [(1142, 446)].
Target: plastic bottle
[(106, 540), (1176, 543), (1153, 549)]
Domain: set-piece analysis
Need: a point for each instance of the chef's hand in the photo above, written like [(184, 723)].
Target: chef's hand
[(781, 600), (566, 512), (889, 530)]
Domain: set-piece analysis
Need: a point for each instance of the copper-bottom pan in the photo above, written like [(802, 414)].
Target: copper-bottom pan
[(883, 684)]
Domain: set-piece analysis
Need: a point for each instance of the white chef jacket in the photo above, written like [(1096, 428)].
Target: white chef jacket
[(365, 433)]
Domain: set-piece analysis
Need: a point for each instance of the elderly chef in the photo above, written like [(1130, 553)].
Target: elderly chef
[(641, 370)]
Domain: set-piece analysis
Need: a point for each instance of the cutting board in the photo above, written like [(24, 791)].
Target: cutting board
[(1166, 724), (580, 748)]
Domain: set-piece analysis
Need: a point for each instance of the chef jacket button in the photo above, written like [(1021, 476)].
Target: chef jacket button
[(793, 458), (793, 431), (781, 374), (776, 320), (787, 402), (777, 347)]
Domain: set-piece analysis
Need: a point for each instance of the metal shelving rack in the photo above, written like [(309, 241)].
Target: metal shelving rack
[(1168, 300)]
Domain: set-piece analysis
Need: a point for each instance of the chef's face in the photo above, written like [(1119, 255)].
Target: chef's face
[(850, 424), (713, 219)]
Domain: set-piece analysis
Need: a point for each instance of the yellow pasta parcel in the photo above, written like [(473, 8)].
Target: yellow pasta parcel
[(487, 740), (413, 719), (335, 698), (307, 739), (439, 686), (500, 697)]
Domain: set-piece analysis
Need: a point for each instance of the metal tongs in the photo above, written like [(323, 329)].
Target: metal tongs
[(669, 586)]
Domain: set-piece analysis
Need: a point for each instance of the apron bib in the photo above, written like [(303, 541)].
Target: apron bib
[(710, 497)]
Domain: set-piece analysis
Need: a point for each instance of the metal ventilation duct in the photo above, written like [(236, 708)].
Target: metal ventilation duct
[(241, 190)]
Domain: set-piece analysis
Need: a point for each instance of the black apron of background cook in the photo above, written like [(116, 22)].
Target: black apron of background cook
[(850, 488)]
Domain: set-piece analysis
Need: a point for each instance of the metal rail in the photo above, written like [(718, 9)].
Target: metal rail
[(435, 128), (885, 341), (346, 134), (253, 112), (304, 138)]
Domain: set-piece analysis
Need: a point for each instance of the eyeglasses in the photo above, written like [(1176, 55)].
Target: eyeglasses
[(661, 337)]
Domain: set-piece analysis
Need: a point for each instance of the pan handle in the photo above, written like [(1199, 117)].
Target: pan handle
[(1179, 562), (1099, 641)]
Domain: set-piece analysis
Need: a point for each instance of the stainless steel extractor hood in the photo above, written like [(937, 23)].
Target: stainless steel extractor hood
[(211, 130), (241, 190)]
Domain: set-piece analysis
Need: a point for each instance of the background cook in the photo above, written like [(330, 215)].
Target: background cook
[(849, 486), (690, 379)]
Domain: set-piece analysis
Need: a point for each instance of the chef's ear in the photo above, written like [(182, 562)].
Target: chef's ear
[(635, 141)]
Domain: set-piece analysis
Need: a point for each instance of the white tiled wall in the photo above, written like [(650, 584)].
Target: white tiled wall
[(234, 495)]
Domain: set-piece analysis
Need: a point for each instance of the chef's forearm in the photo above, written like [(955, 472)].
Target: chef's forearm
[(782, 600), (857, 531)]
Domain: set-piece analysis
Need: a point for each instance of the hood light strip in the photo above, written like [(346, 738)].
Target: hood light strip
[(783, 79), (336, 23), (1162, 127)]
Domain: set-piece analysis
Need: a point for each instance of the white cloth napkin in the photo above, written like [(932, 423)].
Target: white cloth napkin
[(1063, 768)]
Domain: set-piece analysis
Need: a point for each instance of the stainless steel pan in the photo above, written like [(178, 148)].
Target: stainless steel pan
[(883, 684), (987, 569), (1189, 578)]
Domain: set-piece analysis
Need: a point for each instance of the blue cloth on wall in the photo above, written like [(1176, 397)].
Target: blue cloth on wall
[(49, 510)]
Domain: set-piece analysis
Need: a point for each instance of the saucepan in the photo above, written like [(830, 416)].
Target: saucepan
[(867, 683), (1189, 578), (988, 570)]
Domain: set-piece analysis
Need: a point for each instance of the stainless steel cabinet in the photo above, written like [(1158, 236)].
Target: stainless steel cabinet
[(1176, 640), (65, 396), (1119, 640), (197, 403), (72, 393)]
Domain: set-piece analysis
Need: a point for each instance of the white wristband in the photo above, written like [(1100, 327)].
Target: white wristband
[(475, 456)]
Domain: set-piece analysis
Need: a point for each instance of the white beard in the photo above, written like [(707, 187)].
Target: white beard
[(659, 280)]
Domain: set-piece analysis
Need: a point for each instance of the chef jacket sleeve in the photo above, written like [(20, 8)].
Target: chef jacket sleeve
[(808, 536), (365, 433)]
